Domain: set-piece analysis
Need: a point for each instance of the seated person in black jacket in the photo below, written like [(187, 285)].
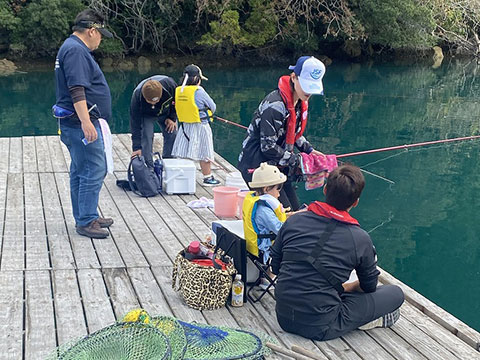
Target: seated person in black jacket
[(314, 254)]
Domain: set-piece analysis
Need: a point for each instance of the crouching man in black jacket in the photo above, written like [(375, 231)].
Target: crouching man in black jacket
[(314, 255)]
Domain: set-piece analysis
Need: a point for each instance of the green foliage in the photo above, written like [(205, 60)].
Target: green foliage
[(298, 39), (37, 27), (111, 47), (396, 23), (43, 25), (260, 27), (224, 34), (227, 34), (8, 20)]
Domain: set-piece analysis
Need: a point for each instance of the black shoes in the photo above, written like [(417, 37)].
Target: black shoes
[(94, 230), (210, 181)]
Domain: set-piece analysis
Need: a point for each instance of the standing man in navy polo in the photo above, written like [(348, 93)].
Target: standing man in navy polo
[(83, 96), (153, 101)]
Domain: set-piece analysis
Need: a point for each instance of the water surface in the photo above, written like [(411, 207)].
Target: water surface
[(424, 226)]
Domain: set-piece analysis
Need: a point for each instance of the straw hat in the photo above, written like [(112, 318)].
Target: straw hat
[(267, 175)]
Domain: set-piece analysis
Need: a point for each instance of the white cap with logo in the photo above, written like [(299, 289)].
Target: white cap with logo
[(310, 72)]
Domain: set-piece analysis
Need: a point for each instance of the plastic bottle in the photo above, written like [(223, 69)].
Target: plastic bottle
[(205, 251), (194, 248), (237, 291)]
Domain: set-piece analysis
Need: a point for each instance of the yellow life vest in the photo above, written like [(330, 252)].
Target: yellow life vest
[(248, 212), (187, 110)]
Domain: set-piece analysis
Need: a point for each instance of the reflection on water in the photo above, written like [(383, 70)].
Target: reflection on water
[(424, 226)]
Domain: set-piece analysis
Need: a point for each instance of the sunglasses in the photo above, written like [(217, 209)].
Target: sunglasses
[(279, 187)]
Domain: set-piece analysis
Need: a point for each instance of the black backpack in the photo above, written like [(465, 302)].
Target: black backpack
[(143, 179)]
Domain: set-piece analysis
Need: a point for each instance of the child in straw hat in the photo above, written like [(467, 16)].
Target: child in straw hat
[(263, 214)]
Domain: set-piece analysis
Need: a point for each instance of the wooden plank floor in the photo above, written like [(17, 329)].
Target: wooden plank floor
[(56, 285)]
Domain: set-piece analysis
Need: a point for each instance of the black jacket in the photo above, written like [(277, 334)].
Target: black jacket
[(140, 109), (266, 137), (300, 286)]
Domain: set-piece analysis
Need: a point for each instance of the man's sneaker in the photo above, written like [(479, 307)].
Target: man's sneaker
[(93, 230), (385, 321), (105, 222), (210, 181)]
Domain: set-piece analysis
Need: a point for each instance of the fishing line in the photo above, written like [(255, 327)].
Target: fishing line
[(377, 176), (408, 146), (354, 93), (244, 127), (390, 218), (445, 145), (371, 173), (385, 158)]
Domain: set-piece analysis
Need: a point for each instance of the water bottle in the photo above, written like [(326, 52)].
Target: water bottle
[(237, 291), (205, 251)]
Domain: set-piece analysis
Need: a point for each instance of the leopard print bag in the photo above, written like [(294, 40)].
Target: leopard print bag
[(202, 287)]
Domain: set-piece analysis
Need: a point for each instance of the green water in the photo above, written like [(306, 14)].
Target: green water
[(424, 226)]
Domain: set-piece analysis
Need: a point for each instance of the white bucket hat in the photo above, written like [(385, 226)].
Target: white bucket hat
[(267, 175)]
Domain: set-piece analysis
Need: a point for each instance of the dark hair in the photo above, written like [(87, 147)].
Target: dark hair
[(344, 186), (259, 191), (87, 15), (192, 80)]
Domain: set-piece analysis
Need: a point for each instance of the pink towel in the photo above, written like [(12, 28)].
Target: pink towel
[(316, 168), (313, 164)]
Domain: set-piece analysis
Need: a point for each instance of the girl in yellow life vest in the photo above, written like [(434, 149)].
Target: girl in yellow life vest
[(263, 214), (194, 109)]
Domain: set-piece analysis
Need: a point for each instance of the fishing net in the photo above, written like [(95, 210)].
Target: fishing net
[(121, 341), (142, 337), (218, 342), (174, 332)]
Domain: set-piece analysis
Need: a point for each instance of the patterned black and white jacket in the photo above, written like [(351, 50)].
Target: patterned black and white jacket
[(266, 137)]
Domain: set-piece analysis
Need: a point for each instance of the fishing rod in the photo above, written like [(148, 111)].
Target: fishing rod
[(244, 127), (230, 122), (372, 151), (408, 146)]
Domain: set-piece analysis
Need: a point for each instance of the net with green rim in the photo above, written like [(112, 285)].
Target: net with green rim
[(218, 342), (121, 341), (141, 337), (174, 332)]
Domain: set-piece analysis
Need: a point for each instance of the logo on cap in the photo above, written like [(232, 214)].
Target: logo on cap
[(316, 74)]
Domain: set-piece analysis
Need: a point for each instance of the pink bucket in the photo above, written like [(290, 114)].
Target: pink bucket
[(225, 201), (241, 196)]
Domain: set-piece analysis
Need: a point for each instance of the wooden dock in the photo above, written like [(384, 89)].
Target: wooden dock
[(56, 285)]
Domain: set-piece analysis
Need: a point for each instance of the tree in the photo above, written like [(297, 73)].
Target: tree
[(457, 23), (141, 23), (396, 24)]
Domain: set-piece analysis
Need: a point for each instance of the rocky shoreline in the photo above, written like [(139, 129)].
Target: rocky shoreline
[(144, 63)]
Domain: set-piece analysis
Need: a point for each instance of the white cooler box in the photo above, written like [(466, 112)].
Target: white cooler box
[(179, 176)]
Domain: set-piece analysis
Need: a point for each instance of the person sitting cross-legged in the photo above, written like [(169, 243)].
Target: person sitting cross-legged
[(313, 255)]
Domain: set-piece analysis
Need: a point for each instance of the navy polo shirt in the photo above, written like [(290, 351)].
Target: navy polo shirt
[(75, 66)]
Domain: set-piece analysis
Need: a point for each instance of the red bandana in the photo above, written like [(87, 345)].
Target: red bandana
[(325, 210), (287, 96)]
